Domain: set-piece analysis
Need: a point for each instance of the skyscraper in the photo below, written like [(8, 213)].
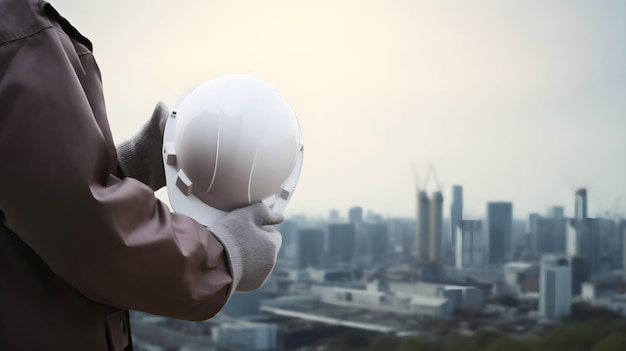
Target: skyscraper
[(333, 216), (429, 227), (499, 227), (423, 227), (584, 236), (622, 233), (341, 242), (436, 228), (456, 212), (549, 233), (310, 248), (355, 215), (555, 287), (581, 204), (379, 242), (469, 247)]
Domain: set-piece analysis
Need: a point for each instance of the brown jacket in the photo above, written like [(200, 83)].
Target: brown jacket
[(80, 244)]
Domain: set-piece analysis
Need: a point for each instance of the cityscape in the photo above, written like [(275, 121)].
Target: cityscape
[(357, 280)]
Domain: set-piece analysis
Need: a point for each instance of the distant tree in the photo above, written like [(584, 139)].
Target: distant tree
[(615, 341), (574, 337), (456, 342), (417, 344), (505, 343), (384, 343), (506, 300), (484, 337), (585, 312), (350, 339)]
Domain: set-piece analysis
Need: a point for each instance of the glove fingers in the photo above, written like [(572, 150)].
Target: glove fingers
[(263, 215), (159, 115)]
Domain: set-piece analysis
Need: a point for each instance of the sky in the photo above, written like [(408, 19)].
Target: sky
[(521, 101)]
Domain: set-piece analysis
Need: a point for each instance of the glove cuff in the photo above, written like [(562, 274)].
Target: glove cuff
[(234, 257)]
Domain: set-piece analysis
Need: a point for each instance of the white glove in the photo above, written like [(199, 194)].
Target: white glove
[(251, 246)]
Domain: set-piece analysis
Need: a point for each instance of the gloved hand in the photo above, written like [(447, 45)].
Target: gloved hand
[(252, 247), (140, 157)]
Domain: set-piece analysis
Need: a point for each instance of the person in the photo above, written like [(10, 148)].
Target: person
[(82, 237)]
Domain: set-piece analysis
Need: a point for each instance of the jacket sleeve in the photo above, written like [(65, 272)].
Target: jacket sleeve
[(110, 238)]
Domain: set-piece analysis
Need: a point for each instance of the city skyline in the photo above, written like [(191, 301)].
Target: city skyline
[(522, 102)]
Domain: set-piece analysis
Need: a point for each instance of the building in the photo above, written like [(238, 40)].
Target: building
[(378, 234), (515, 274), (499, 229), (355, 215), (429, 227), (436, 228), (310, 248), (333, 216), (243, 304), (469, 250), (398, 303), (422, 242), (456, 212), (555, 292), (288, 230), (583, 240), (548, 234), (341, 243), (245, 335), (622, 233), (580, 206)]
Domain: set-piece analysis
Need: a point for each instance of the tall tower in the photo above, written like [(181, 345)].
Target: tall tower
[(423, 227), (435, 230), (500, 227), (429, 227), (581, 204), (469, 248), (456, 212), (622, 234)]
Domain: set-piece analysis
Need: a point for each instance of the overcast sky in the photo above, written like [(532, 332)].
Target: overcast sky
[(520, 101)]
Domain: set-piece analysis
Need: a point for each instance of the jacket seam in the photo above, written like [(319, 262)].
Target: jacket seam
[(23, 34)]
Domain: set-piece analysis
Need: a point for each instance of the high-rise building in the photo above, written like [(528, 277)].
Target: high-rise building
[(423, 227), (341, 242), (580, 207), (378, 234), (583, 241), (429, 227), (355, 215), (469, 244), (622, 233), (288, 231), (310, 248), (559, 225), (555, 287), (333, 216), (456, 212), (499, 228), (436, 228), (548, 233)]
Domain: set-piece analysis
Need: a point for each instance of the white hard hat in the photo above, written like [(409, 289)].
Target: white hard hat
[(228, 143)]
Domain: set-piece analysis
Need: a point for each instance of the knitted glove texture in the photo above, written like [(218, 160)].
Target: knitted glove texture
[(140, 157), (252, 246)]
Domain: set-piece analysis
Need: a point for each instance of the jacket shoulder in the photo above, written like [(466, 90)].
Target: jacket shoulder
[(21, 18)]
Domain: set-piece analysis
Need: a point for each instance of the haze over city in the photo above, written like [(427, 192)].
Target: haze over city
[(516, 101)]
